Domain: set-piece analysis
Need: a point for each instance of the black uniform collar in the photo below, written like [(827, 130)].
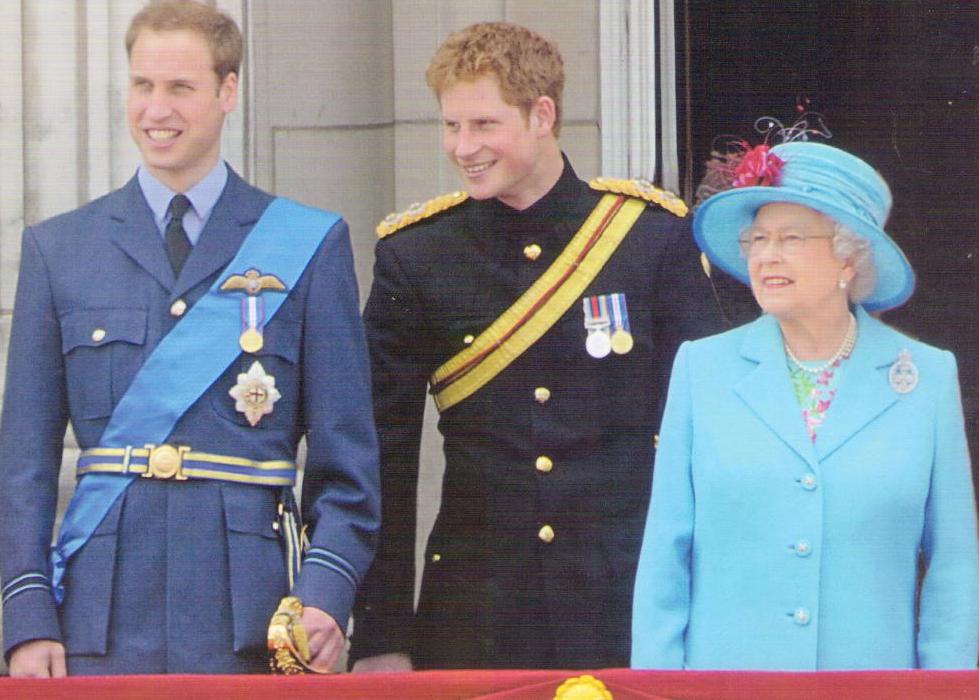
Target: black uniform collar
[(561, 207)]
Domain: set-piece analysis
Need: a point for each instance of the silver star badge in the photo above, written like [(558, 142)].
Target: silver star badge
[(255, 393)]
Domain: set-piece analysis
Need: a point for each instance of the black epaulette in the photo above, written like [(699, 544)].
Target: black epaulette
[(418, 211), (641, 189)]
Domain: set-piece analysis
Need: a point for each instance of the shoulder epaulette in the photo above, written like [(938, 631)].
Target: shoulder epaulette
[(418, 211), (641, 189)]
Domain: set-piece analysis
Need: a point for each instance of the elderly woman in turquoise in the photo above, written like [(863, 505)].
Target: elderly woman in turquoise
[(812, 500)]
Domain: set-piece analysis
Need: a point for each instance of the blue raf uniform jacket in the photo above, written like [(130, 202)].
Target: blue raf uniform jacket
[(179, 576), (764, 550)]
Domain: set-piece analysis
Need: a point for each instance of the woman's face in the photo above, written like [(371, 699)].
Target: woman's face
[(794, 272)]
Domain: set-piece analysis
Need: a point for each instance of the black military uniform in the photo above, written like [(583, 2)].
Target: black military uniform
[(533, 554)]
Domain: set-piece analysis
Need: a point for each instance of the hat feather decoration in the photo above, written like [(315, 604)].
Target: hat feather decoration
[(736, 163)]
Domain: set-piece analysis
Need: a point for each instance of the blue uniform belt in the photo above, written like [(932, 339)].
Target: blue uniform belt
[(180, 462)]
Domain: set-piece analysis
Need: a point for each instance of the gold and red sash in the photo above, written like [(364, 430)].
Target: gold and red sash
[(539, 308)]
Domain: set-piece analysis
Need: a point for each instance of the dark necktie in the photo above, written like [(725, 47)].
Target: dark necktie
[(178, 245)]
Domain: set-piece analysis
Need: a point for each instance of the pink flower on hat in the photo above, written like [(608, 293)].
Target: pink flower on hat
[(759, 167)]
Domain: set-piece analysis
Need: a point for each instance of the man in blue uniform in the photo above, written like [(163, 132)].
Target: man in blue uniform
[(193, 329), (544, 314)]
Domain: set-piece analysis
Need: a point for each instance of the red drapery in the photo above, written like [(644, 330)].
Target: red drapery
[(510, 685)]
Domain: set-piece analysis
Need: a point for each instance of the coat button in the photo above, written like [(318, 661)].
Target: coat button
[(436, 557), (801, 616), (546, 534), (178, 308), (544, 464), (468, 340), (98, 335), (809, 482), (542, 394), (803, 548), (532, 252)]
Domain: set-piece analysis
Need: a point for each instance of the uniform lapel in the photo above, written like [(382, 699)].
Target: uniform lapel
[(767, 389), (133, 230), (864, 391), (232, 218)]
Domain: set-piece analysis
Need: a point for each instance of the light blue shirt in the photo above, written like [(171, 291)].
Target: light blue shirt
[(203, 196)]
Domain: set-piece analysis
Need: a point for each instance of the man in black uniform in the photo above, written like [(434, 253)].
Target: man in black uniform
[(545, 315)]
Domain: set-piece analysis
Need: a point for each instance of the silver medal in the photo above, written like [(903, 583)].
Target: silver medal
[(598, 344), (598, 324)]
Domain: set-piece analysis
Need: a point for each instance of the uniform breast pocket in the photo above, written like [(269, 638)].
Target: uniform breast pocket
[(267, 380), (103, 350)]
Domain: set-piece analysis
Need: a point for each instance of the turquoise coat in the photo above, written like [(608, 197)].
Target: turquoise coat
[(763, 550)]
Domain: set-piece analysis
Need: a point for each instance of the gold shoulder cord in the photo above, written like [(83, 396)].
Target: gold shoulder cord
[(392, 223), (642, 189)]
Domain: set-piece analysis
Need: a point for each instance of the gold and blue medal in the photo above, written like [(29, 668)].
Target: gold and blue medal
[(622, 341), (252, 283), (251, 339)]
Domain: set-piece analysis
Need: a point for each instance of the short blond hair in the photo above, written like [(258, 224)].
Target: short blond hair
[(526, 65), (218, 29)]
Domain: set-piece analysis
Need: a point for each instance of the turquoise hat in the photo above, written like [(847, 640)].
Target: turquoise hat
[(826, 179)]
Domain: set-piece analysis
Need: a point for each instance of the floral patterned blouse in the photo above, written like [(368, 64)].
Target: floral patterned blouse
[(815, 392)]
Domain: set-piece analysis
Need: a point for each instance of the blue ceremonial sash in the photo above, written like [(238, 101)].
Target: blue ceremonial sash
[(284, 240)]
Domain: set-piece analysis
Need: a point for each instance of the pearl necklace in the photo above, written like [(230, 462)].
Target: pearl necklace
[(846, 347)]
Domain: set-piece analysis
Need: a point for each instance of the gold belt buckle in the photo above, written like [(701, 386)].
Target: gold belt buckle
[(165, 462)]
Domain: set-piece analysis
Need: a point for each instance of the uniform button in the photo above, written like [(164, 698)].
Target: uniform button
[(542, 394), (801, 616), (809, 482), (546, 534), (532, 252), (468, 340), (544, 464), (178, 308), (436, 557), (803, 548), (98, 335)]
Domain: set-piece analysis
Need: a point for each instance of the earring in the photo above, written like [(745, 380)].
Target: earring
[(841, 284)]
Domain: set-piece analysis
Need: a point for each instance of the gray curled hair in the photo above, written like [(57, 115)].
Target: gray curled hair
[(847, 245)]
